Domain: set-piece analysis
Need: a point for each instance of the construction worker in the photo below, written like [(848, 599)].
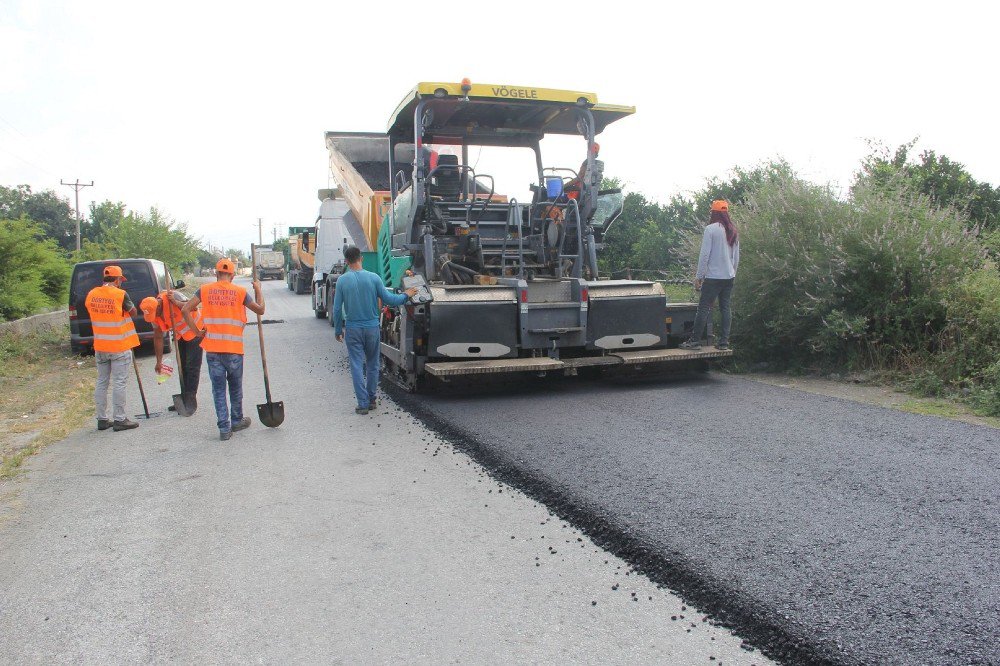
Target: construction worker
[(111, 312), (188, 344), (223, 317), (356, 303), (716, 274)]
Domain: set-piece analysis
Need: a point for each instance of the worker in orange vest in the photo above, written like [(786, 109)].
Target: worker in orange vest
[(223, 317), (111, 312), (188, 344)]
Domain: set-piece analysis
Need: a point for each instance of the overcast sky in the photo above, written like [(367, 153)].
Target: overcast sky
[(216, 115)]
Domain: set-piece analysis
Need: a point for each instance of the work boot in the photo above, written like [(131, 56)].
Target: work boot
[(242, 424), (225, 435), (690, 344), (103, 424), (722, 346), (361, 410), (125, 425), (372, 405)]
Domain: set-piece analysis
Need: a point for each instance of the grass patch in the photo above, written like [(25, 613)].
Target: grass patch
[(48, 393), (680, 293), (934, 407)]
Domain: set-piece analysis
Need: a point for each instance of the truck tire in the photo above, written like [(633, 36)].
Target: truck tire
[(318, 309)]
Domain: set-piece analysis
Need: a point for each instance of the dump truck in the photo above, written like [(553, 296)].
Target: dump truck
[(301, 251), (504, 285), (327, 247), (268, 263)]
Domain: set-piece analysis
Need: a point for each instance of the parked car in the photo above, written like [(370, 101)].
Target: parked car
[(143, 277)]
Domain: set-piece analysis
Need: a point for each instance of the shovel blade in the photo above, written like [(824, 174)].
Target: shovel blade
[(180, 406), (271, 413)]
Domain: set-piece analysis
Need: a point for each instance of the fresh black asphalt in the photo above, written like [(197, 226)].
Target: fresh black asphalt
[(823, 530)]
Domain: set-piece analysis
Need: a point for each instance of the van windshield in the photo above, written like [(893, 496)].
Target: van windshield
[(138, 281)]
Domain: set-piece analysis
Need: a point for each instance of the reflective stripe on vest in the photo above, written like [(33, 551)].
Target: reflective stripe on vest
[(114, 330), (224, 316)]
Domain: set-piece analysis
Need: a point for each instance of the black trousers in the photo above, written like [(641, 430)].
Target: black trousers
[(190, 353)]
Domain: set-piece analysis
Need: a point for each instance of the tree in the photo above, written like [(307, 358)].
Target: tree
[(153, 235), (104, 217), (946, 182), (53, 214), (34, 272)]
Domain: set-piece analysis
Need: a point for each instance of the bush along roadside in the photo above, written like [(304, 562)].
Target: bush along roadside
[(885, 281)]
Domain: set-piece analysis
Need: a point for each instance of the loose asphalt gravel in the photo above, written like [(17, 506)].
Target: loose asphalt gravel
[(824, 530)]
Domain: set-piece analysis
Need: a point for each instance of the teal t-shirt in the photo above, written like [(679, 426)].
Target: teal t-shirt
[(356, 300)]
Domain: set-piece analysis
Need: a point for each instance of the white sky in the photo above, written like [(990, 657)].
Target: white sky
[(215, 112)]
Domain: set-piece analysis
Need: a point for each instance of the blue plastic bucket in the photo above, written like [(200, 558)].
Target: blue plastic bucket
[(553, 186)]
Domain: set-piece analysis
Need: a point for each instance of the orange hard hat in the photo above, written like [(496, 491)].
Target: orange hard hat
[(113, 271), (148, 306), (720, 205), (225, 266)]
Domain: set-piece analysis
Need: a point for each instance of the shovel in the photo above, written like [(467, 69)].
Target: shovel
[(271, 414), (142, 393), (179, 405)]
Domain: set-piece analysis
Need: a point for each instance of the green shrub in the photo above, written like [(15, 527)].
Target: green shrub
[(859, 283), (33, 272)]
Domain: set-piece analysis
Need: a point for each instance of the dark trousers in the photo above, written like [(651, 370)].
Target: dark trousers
[(710, 290), (190, 353)]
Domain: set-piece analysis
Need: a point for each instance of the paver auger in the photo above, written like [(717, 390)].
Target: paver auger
[(504, 285)]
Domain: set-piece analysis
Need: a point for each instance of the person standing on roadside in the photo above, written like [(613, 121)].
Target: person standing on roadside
[(111, 312), (223, 318), (716, 274), (163, 311), (356, 304)]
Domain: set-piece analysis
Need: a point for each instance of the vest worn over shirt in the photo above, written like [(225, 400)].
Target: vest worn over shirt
[(224, 315), (114, 330), (181, 329)]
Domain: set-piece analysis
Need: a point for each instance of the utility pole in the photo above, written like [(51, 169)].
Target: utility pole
[(260, 232), (274, 232), (77, 186)]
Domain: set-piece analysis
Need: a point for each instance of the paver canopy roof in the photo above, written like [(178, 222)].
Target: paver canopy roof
[(498, 114)]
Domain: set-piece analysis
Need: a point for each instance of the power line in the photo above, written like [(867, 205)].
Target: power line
[(77, 186)]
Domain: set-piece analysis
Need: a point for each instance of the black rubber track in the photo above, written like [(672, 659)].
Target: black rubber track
[(821, 530)]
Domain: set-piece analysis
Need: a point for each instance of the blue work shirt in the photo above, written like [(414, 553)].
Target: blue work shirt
[(356, 300)]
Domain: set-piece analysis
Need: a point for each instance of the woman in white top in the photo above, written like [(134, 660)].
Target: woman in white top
[(720, 255)]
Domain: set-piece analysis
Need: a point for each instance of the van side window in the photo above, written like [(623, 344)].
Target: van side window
[(161, 275)]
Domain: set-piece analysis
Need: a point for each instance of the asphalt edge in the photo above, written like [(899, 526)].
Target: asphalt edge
[(723, 607)]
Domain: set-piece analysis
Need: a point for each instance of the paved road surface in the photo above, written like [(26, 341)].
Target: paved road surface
[(334, 538), (824, 528)]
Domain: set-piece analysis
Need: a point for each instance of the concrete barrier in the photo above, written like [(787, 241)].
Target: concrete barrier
[(36, 323)]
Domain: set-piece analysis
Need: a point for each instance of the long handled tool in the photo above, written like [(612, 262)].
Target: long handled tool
[(271, 414), (142, 393), (179, 405)]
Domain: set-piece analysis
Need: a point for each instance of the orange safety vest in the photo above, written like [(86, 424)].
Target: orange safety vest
[(224, 316), (114, 330), (181, 329)]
